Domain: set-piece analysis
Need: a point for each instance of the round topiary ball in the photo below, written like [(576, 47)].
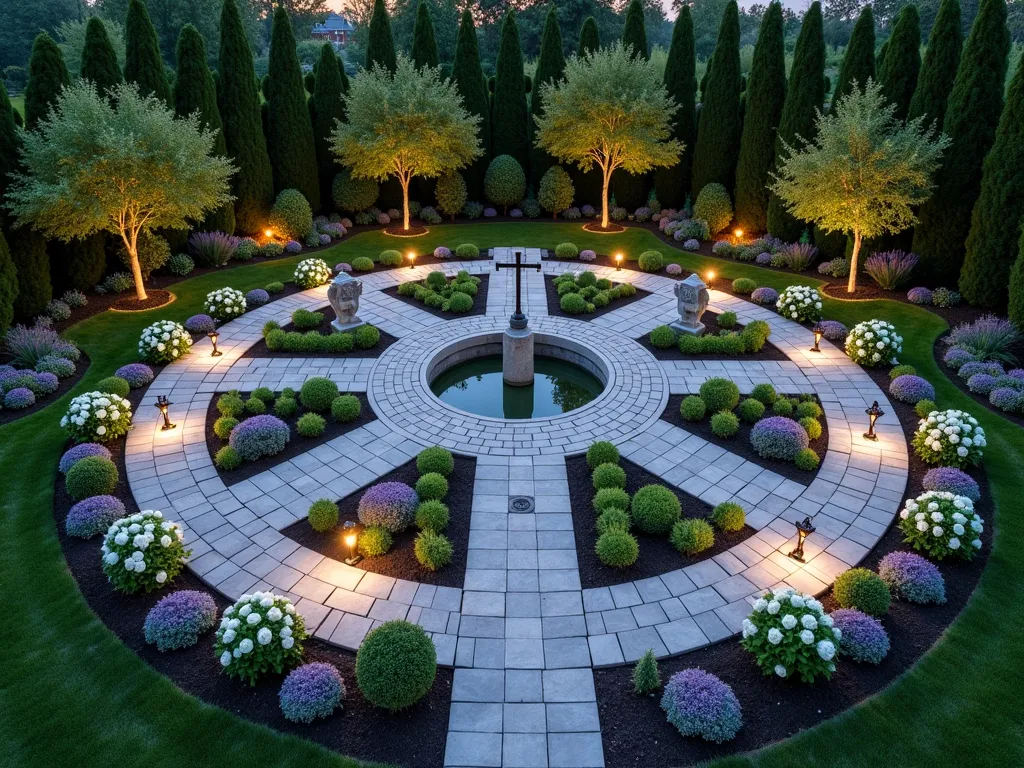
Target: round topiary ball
[(692, 535), (366, 336), (655, 510), (432, 486), (311, 425), (806, 459), (650, 261), (345, 408), (113, 385), (318, 393), (617, 549), (692, 408), (719, 394), (764, 393), (433, 550), (613, 520), (375, 541), (435, 459), (663, 337), (862, 589), (396, 665), (432, 515), (611, 498), (750, 410), (725, 424), (227, 459), (323, 515), (362, 264), (222, 427), (609, 476), (729, 516), (91, 476), (602, 452)]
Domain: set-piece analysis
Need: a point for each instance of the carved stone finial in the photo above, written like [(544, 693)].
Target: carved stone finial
[(692, 300)]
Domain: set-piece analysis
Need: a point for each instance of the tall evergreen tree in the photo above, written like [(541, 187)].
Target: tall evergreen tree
[(79, 263), (331, 86), (10, 145), (195, 91), (550, 66), (634, 33), (510, 133), (469, 79), (902, 61), (28, 251), (47, 74), (239, 101), (99, 59), (292, 152), (143, 64), (859, 62), (424, 42), (1016, 309), (766, 94), (380, 46), (991, 244), (718, 132), (673, 183), (971, 119), (590, 37), (941, 59), (805, 94), (8, 284)]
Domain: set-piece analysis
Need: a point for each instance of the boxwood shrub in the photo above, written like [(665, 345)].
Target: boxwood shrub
[(602, 452), (396, 665), (655, 510)]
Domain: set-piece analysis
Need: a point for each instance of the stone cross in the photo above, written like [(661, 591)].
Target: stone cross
[(518, 321)]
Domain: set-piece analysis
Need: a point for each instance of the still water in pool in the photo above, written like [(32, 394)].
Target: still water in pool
[(476, 386)]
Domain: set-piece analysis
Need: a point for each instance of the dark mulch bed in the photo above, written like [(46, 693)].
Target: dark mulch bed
[(154, 300), (479, 301), (259, 349), (63, 386), (400, 562), (555, 307), (611, 229), (657, 555), (939, 350), (293, 447), (740, 442), (360, 729), (835, 288), (710, 320), (401, 232)]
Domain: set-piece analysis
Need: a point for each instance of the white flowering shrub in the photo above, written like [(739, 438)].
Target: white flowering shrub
[(800, 303), (312, 272), (164, 342), (789, 633), (143, 551), (874, 342), (949, 438), (97, 417), (260, 633), (942, 524), (225, 304)]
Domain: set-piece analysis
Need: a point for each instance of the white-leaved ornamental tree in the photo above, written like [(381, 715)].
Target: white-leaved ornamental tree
[(405, 124), (125, 165), (864, 172), (611, 109)]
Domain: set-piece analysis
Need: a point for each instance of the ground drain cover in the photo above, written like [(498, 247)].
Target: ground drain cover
[(520, 504)]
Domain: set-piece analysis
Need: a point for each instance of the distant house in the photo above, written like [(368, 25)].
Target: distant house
[(335, 28)]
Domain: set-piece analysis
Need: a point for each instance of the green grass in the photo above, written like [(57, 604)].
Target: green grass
[(18, 102), (73, 694)]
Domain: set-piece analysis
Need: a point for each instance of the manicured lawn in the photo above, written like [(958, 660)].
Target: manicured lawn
[(64, 672), (18, 102)]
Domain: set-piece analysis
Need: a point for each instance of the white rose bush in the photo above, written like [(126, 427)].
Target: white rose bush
[(143, 552), (164, 342), (97, 417), (312, 272), (950, 438), (874, 342), (942, 525), (225, 304), (260, 633), (800, 303), (789, 633)]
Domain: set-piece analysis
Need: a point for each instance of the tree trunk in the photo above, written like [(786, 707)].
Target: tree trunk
[(851, 285), (405, 201), (604, 198), (133, 255)]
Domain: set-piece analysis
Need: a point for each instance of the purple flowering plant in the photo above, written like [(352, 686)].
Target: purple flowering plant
[(699, 704), (389, 505), (912, 578), (862, 637), (179, 619), (311, 691)]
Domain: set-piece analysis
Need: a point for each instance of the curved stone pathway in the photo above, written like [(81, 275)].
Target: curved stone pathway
[(522, 633)]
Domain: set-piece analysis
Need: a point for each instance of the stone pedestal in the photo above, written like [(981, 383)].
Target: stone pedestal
[(517, 357), (691, 301), (343, 293)]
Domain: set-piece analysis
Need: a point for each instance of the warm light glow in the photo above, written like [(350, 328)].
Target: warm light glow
[(268, 232), (412, 258), (350, 540), (738, 232), (711, 275), (618, 257)]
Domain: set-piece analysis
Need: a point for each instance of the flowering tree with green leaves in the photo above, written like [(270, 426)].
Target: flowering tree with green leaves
[(611, 109), (124, 165), (864, 172), (405, 123)]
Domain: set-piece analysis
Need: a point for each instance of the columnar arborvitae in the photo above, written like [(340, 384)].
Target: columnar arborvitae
[(469, 79), (292, 152), (10, 145), (331, 85), (902, 62), (1016, 309), (99, 59), (510, 133), (718, 132), (766, 94), (859, 62), (143, 63), (8, 285), (424, 42), (590, 37), (239, 101), (805, 93), (941, 59), (971, 119), (78, 264), (195, 91), (28, 252), (673, 183), (550, 66), (634, 33), (992, 244), (380, 46), (47, 74)]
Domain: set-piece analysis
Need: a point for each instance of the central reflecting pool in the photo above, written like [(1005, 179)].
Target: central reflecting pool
[(476, 386)]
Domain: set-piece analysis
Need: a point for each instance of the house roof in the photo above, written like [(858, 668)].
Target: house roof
[(333, 23)]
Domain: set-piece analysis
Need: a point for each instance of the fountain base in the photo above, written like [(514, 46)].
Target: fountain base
[(517, 357)]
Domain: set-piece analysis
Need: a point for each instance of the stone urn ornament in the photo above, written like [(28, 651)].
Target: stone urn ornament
[(343, 293), (691, 302)]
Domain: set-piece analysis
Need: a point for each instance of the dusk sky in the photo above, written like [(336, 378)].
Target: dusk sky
[(796, 5)]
